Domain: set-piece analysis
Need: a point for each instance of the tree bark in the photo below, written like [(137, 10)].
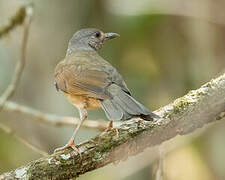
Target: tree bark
[(183, 116)]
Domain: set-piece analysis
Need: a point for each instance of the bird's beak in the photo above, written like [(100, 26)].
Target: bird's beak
[(111, 35)]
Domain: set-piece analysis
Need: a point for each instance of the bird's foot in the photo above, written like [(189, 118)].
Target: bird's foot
[(70, 144), (110, 127), (116, 131)]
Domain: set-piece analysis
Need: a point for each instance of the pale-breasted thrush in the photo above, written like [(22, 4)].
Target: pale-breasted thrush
[(90, 82)]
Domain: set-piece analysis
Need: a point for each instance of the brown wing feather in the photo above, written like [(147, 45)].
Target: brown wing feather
[(87, 74), (78, 79)]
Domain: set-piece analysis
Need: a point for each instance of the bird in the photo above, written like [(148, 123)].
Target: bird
[(90, 82)]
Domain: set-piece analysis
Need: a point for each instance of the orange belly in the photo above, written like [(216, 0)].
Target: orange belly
[(83, 102)]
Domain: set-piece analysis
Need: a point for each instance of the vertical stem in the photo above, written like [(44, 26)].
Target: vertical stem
[(159, 172)]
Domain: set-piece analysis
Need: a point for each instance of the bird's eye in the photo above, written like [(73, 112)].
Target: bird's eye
[(97, 34)]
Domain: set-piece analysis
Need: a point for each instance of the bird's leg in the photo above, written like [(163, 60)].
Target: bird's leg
[(83, 116), (110, 127)]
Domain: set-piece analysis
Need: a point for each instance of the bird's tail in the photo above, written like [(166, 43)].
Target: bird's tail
[(123, 107)]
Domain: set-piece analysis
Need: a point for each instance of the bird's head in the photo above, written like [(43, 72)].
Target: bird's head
[(90, 39)]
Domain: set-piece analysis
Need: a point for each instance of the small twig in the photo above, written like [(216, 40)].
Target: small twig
[(51, 118), (21, 63), (17, 19), (7, 130), (159, 171)]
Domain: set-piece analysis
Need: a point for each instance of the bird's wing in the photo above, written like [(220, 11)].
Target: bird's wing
[(117, 79), (78, 80), (87, 77)]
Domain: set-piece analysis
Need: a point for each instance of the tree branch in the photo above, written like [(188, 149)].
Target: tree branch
[(183, 116), (53, 119)]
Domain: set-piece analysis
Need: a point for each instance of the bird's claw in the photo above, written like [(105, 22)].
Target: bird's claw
[(70, 144), (110, 127), (116, 131)]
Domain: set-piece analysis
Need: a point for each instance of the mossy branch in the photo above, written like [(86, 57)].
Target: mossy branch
[(183, 116)]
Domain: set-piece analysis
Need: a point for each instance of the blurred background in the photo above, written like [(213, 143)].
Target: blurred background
[(166, 48)]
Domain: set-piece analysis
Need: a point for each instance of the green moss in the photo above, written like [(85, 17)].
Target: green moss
[(106, 146), (177, 107), (97, 156), (181, 105)]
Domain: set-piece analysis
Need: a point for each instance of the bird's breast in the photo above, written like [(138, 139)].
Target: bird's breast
[(83, 101)]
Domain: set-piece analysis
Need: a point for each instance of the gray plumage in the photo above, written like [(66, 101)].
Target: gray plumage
[(122, 106)]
